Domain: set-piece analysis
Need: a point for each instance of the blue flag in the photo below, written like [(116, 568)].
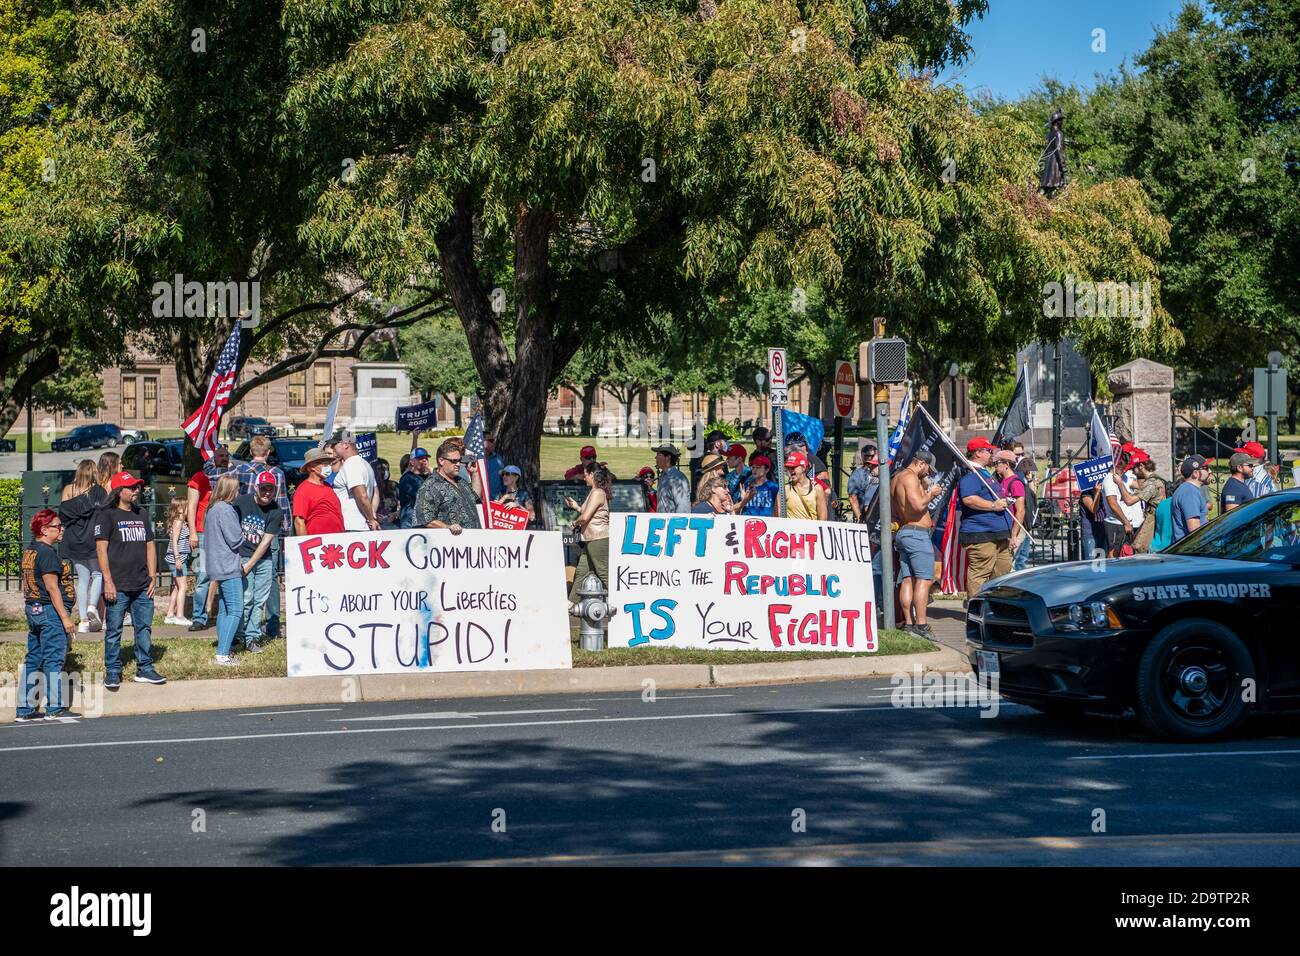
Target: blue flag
[(904, 415), (811, 428)]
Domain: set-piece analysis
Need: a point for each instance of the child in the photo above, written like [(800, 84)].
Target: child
[(178, 560)]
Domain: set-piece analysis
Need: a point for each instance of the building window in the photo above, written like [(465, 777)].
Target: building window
[(151, 397), (323, 389), (128, 398), (298, 389)]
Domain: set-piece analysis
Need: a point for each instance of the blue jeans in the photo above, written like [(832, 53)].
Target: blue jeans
[(140, 604), (47, 646), (230, 608), (273, 597), (201, 584), (257, 589), (1021, 559)]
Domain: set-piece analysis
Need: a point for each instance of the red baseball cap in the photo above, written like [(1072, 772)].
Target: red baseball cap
[(124, 479), (265, 478), (587, 452), (977, 443), (761, 460), (737, 450), (1254, 449), (796, 458)]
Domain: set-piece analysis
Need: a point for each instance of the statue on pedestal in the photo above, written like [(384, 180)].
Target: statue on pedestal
[(1052, 176)]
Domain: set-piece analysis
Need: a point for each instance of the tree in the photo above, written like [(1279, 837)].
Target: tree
[(438, 357)]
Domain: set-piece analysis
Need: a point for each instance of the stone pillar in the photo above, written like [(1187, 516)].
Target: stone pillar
[(1142, 410)]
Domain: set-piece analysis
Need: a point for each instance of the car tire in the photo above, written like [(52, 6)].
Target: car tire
[(1189, 681), (75, 446)]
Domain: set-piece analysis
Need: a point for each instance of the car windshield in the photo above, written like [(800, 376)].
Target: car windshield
[(1264, 530), (294, 450)]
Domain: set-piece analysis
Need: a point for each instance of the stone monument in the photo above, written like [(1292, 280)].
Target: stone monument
[(379, 387), (1142, 409)]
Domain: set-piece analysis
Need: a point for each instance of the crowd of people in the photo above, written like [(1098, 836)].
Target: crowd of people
[(95, 559)]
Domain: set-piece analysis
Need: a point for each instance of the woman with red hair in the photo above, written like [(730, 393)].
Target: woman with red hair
[(47, 596)]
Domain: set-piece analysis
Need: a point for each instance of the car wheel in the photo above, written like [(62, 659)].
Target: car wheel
[(1190, 680), (75, 446)]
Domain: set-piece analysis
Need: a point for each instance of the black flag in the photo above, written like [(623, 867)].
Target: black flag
[(1016, 420), (949, 465)]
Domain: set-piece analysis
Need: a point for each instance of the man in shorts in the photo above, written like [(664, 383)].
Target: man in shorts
[(910, 495)]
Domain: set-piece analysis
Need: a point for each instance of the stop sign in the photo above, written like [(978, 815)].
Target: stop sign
[(846, 389)]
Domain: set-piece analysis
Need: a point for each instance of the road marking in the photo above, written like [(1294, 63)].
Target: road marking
[(395, 730), (277, 713), (1199, 753), (462, 714), (657, 697)]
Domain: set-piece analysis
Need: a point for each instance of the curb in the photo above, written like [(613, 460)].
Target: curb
[(263, 692)]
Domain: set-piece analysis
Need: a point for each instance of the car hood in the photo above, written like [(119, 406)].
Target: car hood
[(1075, 581)]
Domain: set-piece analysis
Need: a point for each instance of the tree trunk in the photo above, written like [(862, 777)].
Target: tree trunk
[(713, 409), (589, 389), (665, 418), (13, 401), (816, 385)]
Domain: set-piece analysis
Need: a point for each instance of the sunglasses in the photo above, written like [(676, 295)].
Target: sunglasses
[(454, 461)]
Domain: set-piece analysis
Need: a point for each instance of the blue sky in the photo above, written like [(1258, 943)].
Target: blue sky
[(1020, 41)]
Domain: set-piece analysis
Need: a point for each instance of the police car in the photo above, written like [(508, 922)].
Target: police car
[(1194, 639)]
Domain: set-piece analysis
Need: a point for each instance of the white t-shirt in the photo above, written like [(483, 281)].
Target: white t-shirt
[(1109, 487), (353, 472)]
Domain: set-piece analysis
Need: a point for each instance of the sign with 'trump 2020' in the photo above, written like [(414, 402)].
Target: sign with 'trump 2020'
[(386, 602), (740, 583)]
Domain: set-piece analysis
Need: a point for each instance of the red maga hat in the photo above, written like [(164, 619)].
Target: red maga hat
[(977, 443)]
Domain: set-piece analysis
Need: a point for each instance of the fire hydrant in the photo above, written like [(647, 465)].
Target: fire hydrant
[(593, 611)]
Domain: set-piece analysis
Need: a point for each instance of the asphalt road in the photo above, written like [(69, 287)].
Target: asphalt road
[(694, 777)]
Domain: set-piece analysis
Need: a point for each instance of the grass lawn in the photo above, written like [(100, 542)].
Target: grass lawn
[(190, 658), (559, 453)]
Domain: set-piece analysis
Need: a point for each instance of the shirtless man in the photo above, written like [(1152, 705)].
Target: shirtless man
[(910, 495)]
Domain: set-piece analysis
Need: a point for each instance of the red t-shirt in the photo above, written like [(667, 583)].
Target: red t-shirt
[(318, 506), (203, 486)]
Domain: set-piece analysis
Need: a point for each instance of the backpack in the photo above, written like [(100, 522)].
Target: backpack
[(1031, 509)]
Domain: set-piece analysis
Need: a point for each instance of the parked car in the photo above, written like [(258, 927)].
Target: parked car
[(8, 444), (164, 458), (130, 435), (88, 436), (288, 453), (245, 426)]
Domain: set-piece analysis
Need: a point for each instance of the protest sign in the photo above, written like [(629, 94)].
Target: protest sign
[(411, 418), (387, 602), (737, 583), (1090, 473), (506, 518), (368, 446)]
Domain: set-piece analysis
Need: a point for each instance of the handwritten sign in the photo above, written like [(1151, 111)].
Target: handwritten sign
[(738, 583), (387, 602), (412, 418), (1089, 474)]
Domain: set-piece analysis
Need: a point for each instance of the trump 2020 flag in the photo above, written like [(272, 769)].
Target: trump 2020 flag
[(811, 428), (1015, 422)]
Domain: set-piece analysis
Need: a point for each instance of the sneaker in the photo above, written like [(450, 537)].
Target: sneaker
[(92, 616), (83, 627), (196, 626), (65, 715), (112, 681), (253, 648), (923, 630), (226, 660), (169, 619), (35, 717), (149, 676), (183, 621)]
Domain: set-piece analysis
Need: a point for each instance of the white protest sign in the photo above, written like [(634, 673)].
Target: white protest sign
[(388, 602), (740, 583)]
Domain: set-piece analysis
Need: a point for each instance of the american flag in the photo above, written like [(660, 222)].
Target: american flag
[(201, 427), (477, 452), (1103, 441), (952, 557)]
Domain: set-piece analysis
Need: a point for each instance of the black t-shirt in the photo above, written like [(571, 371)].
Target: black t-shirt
[(1234, 492), (704, 508), (39, 560), (256, 520), (130, 536)]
